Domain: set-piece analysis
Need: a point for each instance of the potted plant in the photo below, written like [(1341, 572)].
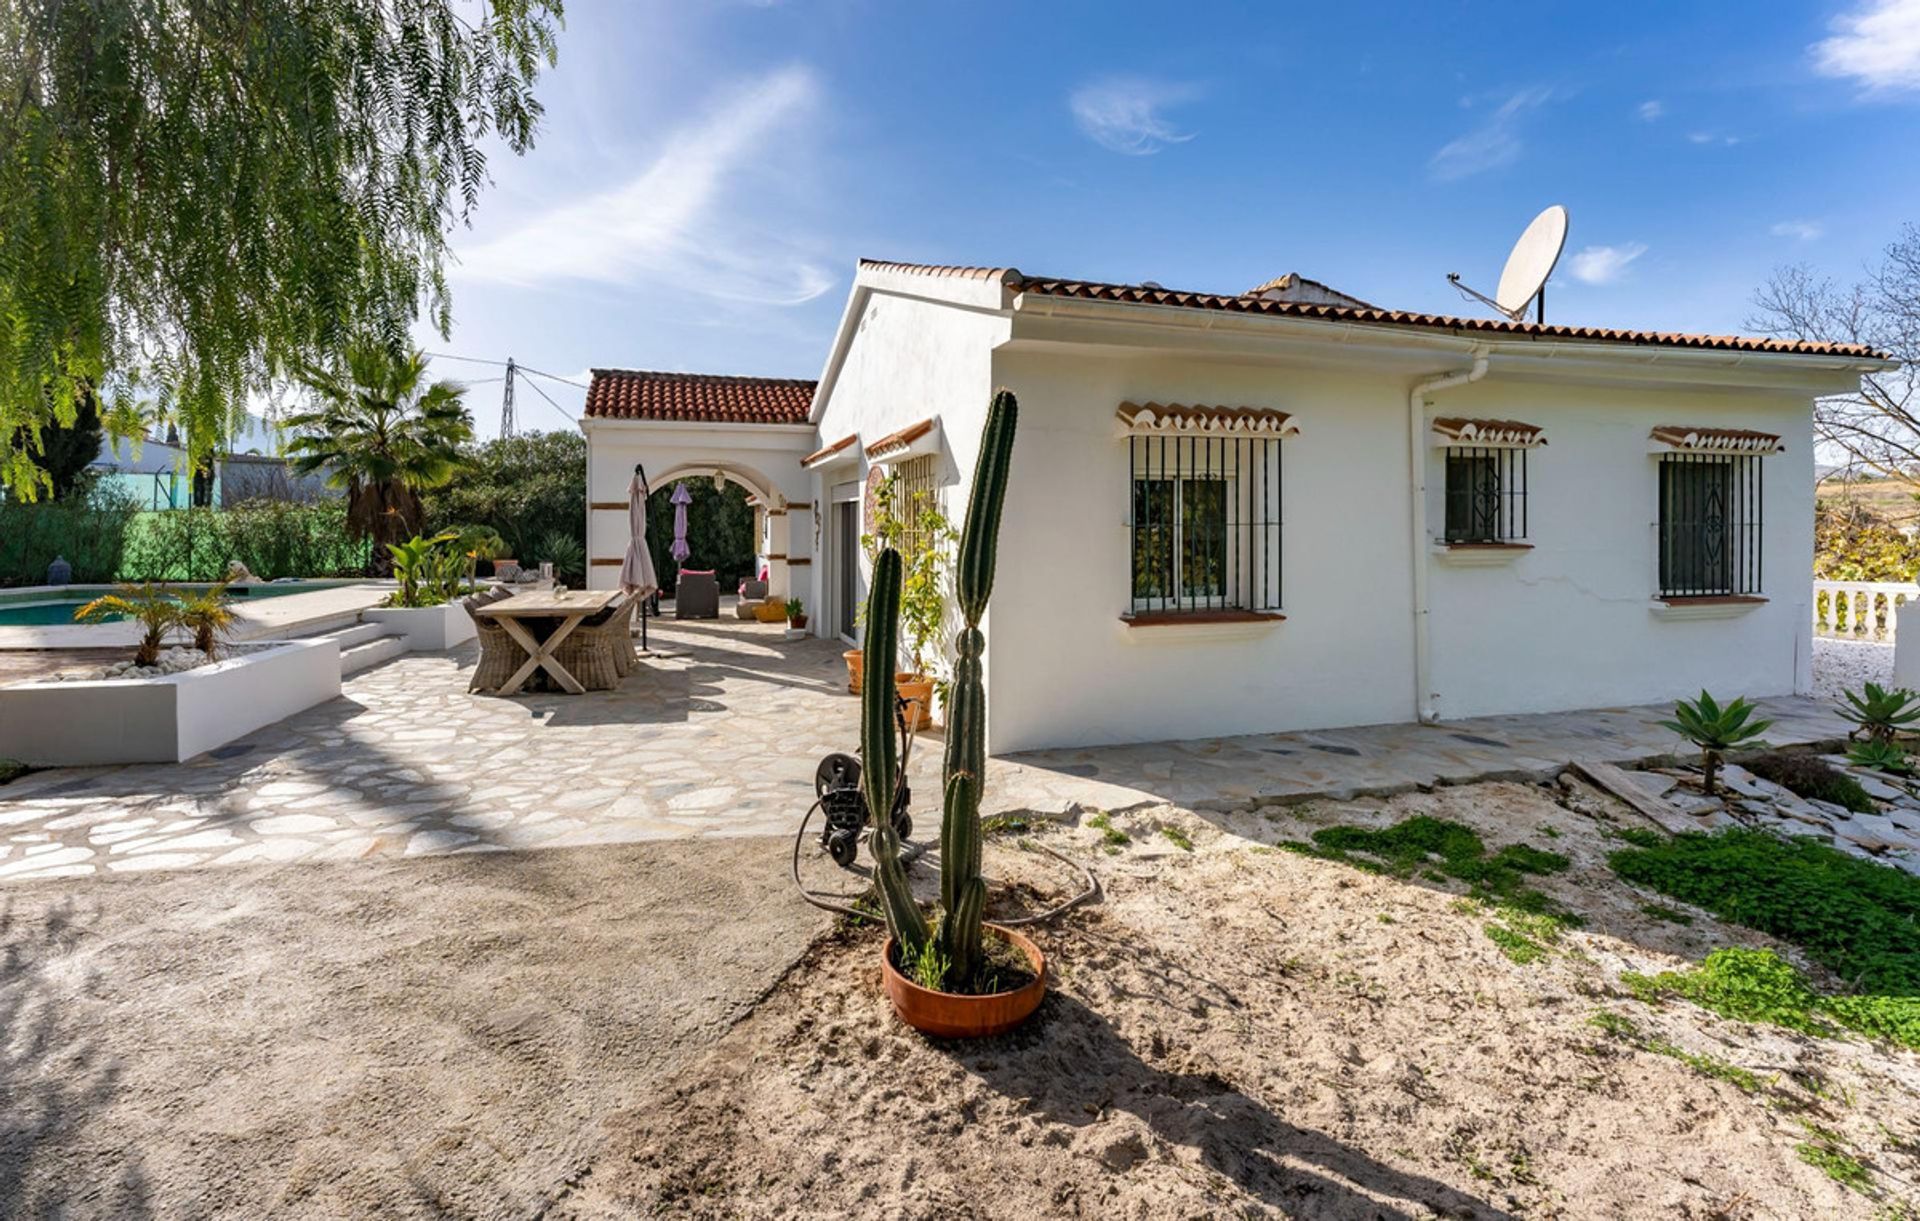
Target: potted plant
[(796, 614), (960, 977), (923, 536)]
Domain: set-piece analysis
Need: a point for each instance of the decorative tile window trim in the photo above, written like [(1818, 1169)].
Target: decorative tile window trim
[(1175, 419), (1452, 431), (913, 441), (1204, 522), (1676, 438)]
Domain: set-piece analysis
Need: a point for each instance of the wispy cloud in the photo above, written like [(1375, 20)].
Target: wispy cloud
[(1123, 113), (1876, 44), (1713, 137), (1605, 264), (1652, 109), (674, 221), (1494, 143), (1800, 230)]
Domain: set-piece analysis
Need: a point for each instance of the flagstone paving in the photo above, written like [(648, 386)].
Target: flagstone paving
[(716, 734)]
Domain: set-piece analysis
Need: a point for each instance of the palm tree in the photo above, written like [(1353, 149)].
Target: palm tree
[(382, 433), (209, 616), (154, 609)]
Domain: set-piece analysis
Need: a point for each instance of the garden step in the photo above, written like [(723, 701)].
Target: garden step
[(358, 633), (370, 653)]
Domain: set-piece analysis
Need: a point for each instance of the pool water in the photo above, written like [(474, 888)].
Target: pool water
[(42, 609)]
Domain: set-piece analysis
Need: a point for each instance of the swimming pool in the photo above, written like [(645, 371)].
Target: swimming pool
[(51, 607)]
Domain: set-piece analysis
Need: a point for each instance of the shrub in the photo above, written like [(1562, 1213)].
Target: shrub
[(273, 539), (1715, 729), (1812, 777), (1879, 713), (89, 531)]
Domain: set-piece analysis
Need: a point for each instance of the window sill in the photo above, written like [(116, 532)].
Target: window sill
[(1189, 625), (1713, 607), (1479, 555)]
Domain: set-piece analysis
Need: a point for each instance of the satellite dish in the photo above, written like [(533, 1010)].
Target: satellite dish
[(1524, 279)]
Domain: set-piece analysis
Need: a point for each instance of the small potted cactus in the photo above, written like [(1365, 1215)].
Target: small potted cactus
[(796, 614), (959, 977)]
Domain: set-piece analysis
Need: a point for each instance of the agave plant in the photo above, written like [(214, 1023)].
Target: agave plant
[(956, 942), (153, 608), (1880, 756), (209, 616), (1878, 712), (1715, 730)]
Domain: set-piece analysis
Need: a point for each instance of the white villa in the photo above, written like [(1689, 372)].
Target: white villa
[(1283, 509)]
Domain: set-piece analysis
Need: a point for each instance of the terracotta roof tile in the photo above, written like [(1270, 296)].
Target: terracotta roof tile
[(1157, 418), (830, 450), (1490, 432), (902, 439), (628, 394), (1718, 440), (1141, 294)]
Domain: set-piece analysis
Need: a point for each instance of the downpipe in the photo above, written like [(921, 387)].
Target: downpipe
[(1423, 693)]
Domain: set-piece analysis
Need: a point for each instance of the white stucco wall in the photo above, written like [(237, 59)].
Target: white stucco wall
[(763, 458), (909, 359), (1572, 623), (1067, 671)]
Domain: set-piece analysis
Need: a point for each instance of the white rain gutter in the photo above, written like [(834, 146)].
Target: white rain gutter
[(1423, 693)]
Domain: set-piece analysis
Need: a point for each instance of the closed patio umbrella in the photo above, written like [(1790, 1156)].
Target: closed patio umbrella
[(681, 499), (637, 577)]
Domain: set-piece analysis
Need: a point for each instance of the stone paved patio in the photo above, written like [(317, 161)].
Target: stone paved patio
[(718, 734)]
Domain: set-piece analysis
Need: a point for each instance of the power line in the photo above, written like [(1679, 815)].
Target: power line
[(501, 364), (557, 407)]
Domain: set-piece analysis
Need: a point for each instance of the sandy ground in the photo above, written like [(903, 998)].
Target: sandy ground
[(430, 1037), (1238, 1031)]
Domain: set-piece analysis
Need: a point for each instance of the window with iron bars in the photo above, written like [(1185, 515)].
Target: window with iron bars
[(1204, 524), (1486, 493), (914, 492), (1710, 525)]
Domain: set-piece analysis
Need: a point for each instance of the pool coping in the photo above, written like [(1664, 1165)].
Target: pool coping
[(286, 615)]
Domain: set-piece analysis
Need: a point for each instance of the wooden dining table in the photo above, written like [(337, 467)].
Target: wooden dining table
[(570, 608)]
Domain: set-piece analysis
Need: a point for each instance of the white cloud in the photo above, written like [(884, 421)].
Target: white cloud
[(1712, 137), (1605, 264), (1651, 110), (679, 219), (1877, 45), (1122, 114), (1496, 142), (1802, 230)]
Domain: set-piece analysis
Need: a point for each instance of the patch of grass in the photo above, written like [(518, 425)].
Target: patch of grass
[(1516, 946), (1525, 936), (1813, 777), (11, 770), (1758, 986), (1427, 846), (1177, 838), (1710, 1066), (1617, 1025), (1858, 918), (1005, 824), (1836, 1164), (1664, 913), (1641, 837), (1111, 836), (1550, 832)]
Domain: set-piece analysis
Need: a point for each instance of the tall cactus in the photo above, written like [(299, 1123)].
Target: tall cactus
[(880, 756), (962, 890)]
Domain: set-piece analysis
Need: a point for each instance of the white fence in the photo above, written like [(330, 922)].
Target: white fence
[(1859, 610)]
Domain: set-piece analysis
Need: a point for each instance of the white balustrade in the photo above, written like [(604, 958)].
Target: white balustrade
[(1859, 610)]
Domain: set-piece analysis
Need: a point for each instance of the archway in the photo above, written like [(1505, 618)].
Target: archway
[(723, 529)]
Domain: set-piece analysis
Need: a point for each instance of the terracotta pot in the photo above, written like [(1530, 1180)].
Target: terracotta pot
[(856, 661), (949, 1015), (917, 690), (798, 623)]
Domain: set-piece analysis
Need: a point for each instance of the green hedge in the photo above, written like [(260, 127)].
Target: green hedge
[(107, 538)]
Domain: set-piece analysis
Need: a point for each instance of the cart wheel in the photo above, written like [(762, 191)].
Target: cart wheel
[(836, 771), (903, 826), (845, 849)]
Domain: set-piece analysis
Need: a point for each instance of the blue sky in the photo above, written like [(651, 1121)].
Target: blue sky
[(709, 172)]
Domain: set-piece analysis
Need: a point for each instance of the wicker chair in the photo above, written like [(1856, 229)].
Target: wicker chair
[(619, 636), (499, 655), (588, 656)]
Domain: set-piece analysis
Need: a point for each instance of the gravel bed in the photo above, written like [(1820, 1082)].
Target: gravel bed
[(1848, 664)]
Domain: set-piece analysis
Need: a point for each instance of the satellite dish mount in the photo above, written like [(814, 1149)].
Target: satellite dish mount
[(1523, 282)]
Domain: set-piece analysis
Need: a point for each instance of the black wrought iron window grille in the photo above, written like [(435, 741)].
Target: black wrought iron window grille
[(1710, 525), (1486, 494), (1205, 524)]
